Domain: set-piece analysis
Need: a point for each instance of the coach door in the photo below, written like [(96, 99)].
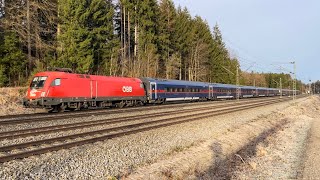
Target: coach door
[(153, 90), (210, 92)]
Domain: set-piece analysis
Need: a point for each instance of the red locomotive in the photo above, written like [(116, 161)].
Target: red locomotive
[(58, 91)]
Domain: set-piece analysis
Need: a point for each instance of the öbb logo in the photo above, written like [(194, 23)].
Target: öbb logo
[(127, 89)]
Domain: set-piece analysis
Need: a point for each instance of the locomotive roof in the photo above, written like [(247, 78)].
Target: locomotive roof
[(59, 73)]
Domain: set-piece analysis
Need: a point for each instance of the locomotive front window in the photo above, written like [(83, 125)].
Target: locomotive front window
[(38, 82)]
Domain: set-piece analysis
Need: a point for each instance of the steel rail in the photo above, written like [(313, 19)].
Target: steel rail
[(26, 118)]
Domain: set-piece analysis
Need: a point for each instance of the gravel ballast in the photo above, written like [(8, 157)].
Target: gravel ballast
[(120, 157)]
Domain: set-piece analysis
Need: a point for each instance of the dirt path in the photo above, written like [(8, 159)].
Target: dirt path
[(312, 158), (293, 152)]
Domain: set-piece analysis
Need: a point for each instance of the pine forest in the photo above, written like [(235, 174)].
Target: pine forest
[(131, 38)]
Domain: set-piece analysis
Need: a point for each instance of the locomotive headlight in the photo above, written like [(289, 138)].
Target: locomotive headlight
[(43, 94)]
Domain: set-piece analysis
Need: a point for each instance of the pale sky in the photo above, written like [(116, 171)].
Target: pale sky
[(266, 35)]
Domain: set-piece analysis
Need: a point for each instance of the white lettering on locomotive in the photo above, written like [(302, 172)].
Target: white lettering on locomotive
[(33, 93), (127, 89)]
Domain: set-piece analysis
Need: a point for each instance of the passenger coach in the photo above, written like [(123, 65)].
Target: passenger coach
[(162, 90)]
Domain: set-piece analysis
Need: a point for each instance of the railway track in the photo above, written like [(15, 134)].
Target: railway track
[(63, 142), (41, 117), (90, 111), (107, 121), (85, 111)]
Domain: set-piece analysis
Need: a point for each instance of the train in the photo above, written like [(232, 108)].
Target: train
[(60, 90)]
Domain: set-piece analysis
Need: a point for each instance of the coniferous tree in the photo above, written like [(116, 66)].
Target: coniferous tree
[(148, 13), (34, 21), (219, 56), (201, 50), (169, 59), (12, 60), (183, 39), (86, 40)]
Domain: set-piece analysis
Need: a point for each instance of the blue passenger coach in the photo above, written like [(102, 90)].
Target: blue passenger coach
[(161, 90), (248, 91), (224, 91)]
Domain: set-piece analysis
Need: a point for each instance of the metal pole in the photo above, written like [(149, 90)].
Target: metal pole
[(309, 87), (295, 80), (238, 84), (280, 88), (294, 84)]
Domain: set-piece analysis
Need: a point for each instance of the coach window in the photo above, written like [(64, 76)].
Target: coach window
[(56, 82)]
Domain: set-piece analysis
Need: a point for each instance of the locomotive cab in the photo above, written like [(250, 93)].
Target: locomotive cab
[(38, 91), (36, 87)]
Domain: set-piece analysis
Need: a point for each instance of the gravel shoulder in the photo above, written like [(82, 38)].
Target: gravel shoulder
[(291, 153), (11, 101), (312, 156), (268, 147)]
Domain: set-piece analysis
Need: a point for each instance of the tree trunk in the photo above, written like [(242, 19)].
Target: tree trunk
[(129, 40), (29, 36)]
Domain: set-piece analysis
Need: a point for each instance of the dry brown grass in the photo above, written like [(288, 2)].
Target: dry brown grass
[(11, 101)]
